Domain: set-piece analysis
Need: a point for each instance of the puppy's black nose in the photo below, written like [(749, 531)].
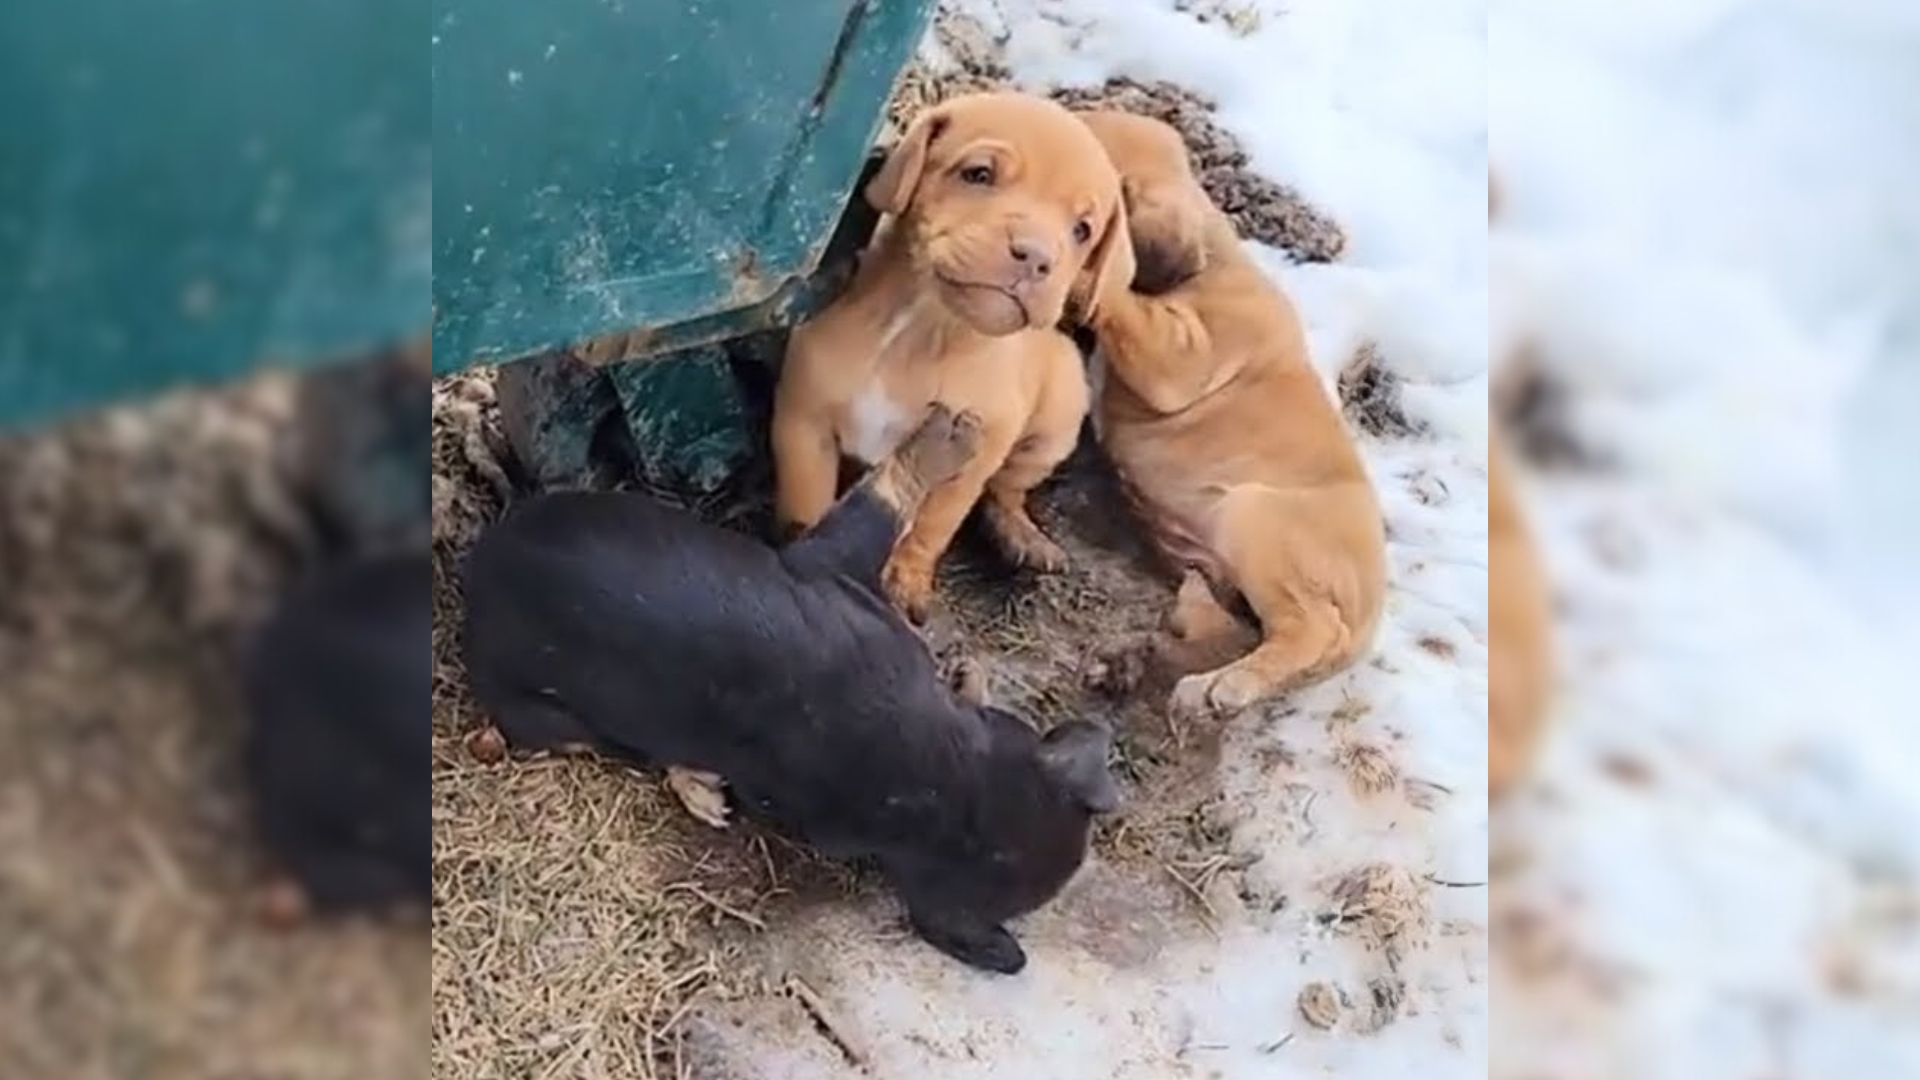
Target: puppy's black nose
[(1031, 256)]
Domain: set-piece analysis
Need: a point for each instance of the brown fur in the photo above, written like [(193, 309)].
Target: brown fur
[(1222, 431), (957, 300), (1518, 641)]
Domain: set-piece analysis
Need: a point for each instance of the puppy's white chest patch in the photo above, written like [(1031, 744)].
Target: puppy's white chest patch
[(874, 425)]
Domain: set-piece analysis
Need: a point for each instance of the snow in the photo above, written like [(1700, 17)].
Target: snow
[(1709, 234), (1375, 111)]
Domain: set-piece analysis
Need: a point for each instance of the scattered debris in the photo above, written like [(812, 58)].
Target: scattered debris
[(1535, 407), (1321, 1005), (1629, 770), (1370, 396), (816, 1007), (1369, 770), (1381, 904), (1386, 996), (1239, 18)]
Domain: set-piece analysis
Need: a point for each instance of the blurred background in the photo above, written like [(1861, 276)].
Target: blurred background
[(1704, 281), (214, 267), (1705, 293)]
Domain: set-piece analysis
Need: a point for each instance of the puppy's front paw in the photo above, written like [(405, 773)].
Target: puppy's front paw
[(1021, 541), (910, 586), (942, 445), (700, 792)]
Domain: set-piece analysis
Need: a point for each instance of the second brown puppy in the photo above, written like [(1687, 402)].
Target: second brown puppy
[(1223, 434)]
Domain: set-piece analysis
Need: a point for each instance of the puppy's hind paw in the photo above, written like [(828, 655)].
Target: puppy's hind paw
[(1217, 693), (701, 793)]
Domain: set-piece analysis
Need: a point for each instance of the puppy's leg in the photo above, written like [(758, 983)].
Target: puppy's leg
[(909, 574), (806, 460), (971, 941), (330, 879), (1201, 633), (1159, 347), (858, 534), (1297, 645), (532, 723), (1302, 583), (1049, 438), (700, 792)]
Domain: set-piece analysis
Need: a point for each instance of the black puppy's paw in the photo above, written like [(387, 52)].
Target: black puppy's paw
[(984, 946)]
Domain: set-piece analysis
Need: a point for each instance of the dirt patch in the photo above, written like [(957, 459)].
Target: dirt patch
[(137, 544), (969, 58)]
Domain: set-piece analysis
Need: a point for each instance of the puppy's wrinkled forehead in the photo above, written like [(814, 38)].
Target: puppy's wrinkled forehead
[(1031, 144)]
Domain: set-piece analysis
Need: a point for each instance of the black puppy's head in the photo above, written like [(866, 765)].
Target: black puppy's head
[(1018, 845)]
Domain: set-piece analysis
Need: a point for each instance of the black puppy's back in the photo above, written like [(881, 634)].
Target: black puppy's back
[(678, 642)]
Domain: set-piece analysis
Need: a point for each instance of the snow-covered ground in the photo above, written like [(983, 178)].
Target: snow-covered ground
[(1375, 111), (1712, 234)]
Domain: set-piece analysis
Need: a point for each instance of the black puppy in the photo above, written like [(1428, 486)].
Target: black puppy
[(338, 687), (611, 622)]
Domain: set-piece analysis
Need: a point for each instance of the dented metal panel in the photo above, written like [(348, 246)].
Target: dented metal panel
[(650, 174)]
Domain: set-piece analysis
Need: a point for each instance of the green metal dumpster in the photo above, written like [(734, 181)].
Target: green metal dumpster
[(669, 173), (189, 190)]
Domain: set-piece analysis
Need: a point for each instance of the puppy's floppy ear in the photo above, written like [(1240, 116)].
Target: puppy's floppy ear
[(1110, 266), (891, 189), (1074, 755)]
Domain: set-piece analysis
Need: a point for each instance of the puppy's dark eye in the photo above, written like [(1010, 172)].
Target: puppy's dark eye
[(1082, 232), (981, 175)]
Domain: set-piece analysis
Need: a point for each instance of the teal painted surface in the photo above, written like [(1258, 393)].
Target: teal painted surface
[(607, 165), (687, 419), (189, 188)]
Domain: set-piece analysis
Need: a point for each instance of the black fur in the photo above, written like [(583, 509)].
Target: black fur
[(338, 686), (612, 620)]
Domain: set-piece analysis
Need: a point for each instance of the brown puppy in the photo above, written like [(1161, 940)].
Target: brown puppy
[(1519, 661), (1222, 431), (997, 203)]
